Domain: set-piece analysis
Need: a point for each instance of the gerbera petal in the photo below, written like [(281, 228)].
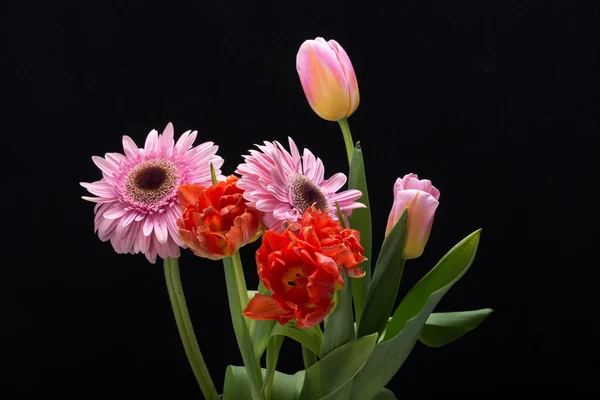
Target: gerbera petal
[(160, 229), (105, 166), (295, 154), (334, 183), (148, 225), (267, 205), (309, 164), (116, 212), (130, 148), (280, 212), (185, 142), (151, 144), (129, 217), (166, 141), (99, 188), (346, 196)]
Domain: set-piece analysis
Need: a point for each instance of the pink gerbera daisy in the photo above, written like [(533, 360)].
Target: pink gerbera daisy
[(284, 185), (137, 206)]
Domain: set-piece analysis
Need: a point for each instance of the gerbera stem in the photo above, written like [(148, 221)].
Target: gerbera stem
[(186, 330), (347, 138), (238, 299)]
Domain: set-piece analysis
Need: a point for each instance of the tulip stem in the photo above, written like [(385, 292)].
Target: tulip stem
[(186, 330), (238, 299), (347, 138)]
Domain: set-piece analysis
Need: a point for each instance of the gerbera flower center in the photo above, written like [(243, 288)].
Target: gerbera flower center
[(151, 180), (304, 193)]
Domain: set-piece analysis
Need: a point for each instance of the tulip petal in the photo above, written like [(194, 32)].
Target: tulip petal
[(265, 308), (188, 194), (421, 211), (323, 80)]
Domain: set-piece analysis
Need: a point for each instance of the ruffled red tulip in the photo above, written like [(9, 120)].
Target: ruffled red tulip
[(343, 245), (216, 221), (302, 270)]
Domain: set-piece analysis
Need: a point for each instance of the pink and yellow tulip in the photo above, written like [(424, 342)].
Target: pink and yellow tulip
[(327, 78), (421, 199)]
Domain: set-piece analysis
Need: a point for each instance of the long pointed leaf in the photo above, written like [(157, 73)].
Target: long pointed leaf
[(385, 394), (444, 328), (410, 317), (309, 337), (272, 358), (285, 387), (340, 325), (337, 368), (360, 219), (386, 280)]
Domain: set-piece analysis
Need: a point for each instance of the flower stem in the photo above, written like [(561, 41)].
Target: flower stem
[(238, 299), (308, 357), (347, 138), (186, 330)]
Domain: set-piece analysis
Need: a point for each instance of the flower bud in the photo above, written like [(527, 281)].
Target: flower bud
[(421, 199), (327, 78)]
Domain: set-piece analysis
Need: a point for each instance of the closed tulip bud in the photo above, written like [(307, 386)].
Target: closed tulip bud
[(327, 78), (421, 199)]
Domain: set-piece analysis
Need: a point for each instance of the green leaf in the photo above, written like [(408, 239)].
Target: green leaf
[(410, 317), (340, 325), (311, 338), (385, 394), (337, 369), (443, 328), (272, 357), (261, 336), (285, 387), (386, 280), (360, 219)]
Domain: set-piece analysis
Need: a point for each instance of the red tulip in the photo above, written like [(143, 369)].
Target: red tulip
[(302, 270), (216, 221)]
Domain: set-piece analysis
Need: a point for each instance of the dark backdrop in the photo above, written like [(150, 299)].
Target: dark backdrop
[(492, 101)]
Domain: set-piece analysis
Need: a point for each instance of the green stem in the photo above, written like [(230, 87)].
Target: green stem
[(308, 357), (347, 138), (186, 330), (238, 299), (240, 281)]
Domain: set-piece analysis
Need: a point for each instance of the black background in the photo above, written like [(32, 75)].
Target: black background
[(492, 101)]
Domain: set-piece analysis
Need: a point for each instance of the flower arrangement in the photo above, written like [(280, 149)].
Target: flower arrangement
[(318, 283)]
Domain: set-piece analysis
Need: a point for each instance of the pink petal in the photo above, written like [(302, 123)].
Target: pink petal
[(346, 196), (130, 148), (334, 183), (151, 144), (115, 212), (281, 211), (185, 142), (99, 188), (148, 225), (129, 218), (160, 229), (267, 205), (309, 163), (104, 165), (166, 141)]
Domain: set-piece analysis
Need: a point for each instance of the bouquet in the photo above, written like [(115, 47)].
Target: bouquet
[(319, 285)]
